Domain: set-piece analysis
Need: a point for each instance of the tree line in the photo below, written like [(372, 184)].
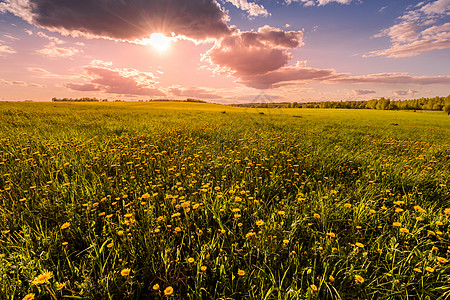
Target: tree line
[(435, 103), (85, 99)]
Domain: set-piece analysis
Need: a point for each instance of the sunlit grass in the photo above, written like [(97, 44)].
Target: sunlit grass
[(189, 201)]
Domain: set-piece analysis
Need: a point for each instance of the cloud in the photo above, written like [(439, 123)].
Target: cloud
[(258, 58), (419, 31), (51, 50), (125, 20), (21, 83), (130, 82), (253, 9), (318, 2), (37, 70), (193, 92), (363, 92), (392, 78), (6, 50), (405, 92)]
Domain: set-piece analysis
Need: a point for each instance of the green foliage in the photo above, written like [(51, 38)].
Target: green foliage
[(124, 200)]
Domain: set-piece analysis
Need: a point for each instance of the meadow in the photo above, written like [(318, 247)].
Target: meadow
[(200, 201)]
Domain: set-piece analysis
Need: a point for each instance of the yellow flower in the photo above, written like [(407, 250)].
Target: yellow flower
[(28, 297), (286, 242), (241, 272), (281, 212), (359, 245), (331, 234), (65, 225), (60, 286), (203, 268), (317, 216), (398, 210), (156, 287), (168, 291), (359, 278), (418, 219), (125, 272), (396, 224), (110, 245), (260, 223), (191, 260), (331, 278), (439, 223), (120, 233), (447, 211), (404, 230), (314, 287), (43, 278), (419, 209), (65, 243), (347, 205), (441, 260), (417, 270), (429, 269)]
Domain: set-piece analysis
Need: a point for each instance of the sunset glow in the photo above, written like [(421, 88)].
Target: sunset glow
[(159, 41), (225, 51)]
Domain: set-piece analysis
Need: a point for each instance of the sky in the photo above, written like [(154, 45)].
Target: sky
[(224, 51)]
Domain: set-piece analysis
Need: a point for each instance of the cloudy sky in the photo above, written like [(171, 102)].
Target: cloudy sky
[(224, 51)]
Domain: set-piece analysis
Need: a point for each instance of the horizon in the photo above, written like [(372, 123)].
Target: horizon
[(225, 51)]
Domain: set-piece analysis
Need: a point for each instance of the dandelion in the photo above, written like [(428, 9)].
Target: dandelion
[(360, 245), (155, 287), (42, 278), (286, 242), (168, 291), (241, 272), (65, 225), (417, 270), (359, 278), (331, 234), (419, 219), (281, 212), (399, 210), (347, 205), (191, 260), (203, 268), (317, 216), (60, 286), (313, 287), (125, 272), (331, 278), (419, 209), (396, 224), (439, 223), (447, 211), (429, 269), (260, 223), (441, 260), (404, 230), (28, 297)]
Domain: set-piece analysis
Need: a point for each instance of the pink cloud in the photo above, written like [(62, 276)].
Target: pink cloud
[(193, 92), (392, 78), (6, 50), (363, 92), (38, 70), (21, 83), (253, 9), (118, 81), (410, 93), (125, 20), (51, 50)]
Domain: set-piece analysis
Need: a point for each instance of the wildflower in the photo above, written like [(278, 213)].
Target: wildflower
[(260, 223), (417, 270), (145, 196), (396, 224), (125, 272), (65, 225), (110, 245), (241, 272), (359, 278), (419, 209), (120, 233), (317, 216), (286, 242), (331, 278), (42, 278), (281, 212), (203, 268), (398, 210), (191, 260), (155, 287), (347, 205), (429, 269), (419, 219), (439, 223), (60, 286), (168, 291), (314, 287), (447, 211), (404, 230), (360, 245), (441, 260), (176, 215), (65, 243), (331, 234), (28, 297)]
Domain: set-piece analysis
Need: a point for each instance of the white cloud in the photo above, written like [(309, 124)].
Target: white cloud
[(253, 9)]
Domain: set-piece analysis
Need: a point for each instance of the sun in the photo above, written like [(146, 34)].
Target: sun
[(159, 41)]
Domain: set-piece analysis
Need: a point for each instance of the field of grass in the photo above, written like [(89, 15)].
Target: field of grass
[(201, 201)]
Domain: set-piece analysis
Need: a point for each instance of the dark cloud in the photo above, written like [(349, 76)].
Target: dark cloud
[(125, 20), (87, 87)]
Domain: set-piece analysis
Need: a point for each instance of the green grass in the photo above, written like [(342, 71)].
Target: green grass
[(147, 186)]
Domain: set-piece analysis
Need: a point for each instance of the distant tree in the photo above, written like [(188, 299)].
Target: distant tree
[(447, 109)]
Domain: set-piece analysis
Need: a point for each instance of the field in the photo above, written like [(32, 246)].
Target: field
[(201, 201)]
